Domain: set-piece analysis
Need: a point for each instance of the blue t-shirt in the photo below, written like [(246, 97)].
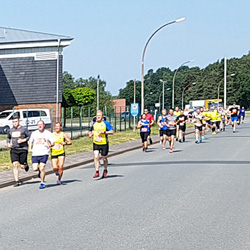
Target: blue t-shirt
[(163, 122), (145, 126), (242, 112)]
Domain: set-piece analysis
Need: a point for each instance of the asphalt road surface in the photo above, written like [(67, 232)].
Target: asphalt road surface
[(196, 198)]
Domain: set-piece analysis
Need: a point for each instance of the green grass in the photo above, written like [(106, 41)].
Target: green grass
[(3, 137), (83, 144)]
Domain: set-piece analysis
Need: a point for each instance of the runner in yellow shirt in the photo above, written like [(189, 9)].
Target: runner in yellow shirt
[(58, 152)]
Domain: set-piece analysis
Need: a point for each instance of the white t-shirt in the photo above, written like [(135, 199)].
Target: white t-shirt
[(41, 142)]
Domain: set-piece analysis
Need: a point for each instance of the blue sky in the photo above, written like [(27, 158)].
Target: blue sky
[(109, 35)]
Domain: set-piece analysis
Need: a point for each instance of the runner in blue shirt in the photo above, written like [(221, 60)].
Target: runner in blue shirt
[(143, 125)]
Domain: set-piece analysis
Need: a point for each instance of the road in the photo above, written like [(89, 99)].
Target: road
[(196, 198)]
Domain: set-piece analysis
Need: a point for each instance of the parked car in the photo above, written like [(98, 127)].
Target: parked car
[(125, 116), (28, 118)]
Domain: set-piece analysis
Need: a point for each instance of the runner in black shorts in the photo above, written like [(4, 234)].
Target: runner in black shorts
[(17, 141), (171, 132), (99, 131), (181, 121), (143, 125), (162, 123)]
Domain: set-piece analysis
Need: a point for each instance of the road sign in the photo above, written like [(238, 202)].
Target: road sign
[(134, 109)]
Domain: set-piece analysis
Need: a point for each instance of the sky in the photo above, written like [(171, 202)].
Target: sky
[(110, 35)]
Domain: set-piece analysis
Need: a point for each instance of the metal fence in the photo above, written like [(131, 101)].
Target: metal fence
[(76, 121)]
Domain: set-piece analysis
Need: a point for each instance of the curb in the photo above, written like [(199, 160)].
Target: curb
[(49, 172)]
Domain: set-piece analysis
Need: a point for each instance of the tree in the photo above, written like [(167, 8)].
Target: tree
[(83, 96)]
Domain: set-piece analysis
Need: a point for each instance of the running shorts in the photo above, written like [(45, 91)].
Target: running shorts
[(103, 149), (19, 156), (182, 128), (171, 132), (40, 159), (199, 128), (56, 156), (234, 118), (144, 136), (163, 132)]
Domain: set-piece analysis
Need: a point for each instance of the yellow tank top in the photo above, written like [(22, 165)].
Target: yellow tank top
[(58, 148), (99, 139), (177, 113)]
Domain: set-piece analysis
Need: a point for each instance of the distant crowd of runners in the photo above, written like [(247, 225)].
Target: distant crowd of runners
[(172, 127)]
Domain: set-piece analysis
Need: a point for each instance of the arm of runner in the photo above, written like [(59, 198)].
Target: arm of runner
[(158, 122), (67, 140), (9, 140), (139, 125)]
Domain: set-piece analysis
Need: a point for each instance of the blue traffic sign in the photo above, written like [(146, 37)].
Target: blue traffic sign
[(134, 109)]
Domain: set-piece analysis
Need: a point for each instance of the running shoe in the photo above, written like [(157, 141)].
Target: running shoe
[(233, 131), (39, 174), (203, 137), (17, 184), (196, 141), (96, 174), (42, 186), (163, 147), (200, 140), (176, 139), (214, 133), (180, 141), (105, 173), (59, 182), (171, 150), (27, 168)]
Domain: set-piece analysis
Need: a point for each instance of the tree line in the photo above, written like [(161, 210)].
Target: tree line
[(195, 83)]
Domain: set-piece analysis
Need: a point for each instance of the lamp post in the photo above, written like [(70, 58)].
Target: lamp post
[(163, 92), (219, 89), (143, 55), (97, 98), (174, 80), (182, 97)]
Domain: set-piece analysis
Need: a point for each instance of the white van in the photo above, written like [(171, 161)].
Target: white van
[(28, 118)]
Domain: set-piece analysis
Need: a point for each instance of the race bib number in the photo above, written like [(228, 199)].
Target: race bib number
[(234, 111), (144, 130), (58, 146), (40, 141), (16, 134), (182, 123), (98, 138)]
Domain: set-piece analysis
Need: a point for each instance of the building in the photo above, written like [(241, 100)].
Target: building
[(31, 70), (119, 106)]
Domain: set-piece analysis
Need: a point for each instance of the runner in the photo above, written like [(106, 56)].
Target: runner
[(234, 111), (58, 152), (204, 123), (99, 131), (177, 113), (40, 143), (171, 132), (218, 120), (242, 114), (162, 123), (143, 125), (181, 122), (223, 119), (17, 141), (198, 122), (213, 114), (150, 118)]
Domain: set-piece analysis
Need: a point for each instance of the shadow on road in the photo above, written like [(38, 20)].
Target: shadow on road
[(110, 176), (181, 163), (63, 183)]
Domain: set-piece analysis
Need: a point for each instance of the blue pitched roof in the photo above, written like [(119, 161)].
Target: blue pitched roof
[(9, 35)]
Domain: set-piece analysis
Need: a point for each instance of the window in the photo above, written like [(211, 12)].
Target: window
[(15, 115), (4, 114)]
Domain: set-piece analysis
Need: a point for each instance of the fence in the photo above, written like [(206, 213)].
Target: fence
[(76, 121)]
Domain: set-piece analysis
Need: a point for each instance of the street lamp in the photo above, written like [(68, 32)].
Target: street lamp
[(219, 87), (174, 80), (143, 55), (163, 92), (182, 97)]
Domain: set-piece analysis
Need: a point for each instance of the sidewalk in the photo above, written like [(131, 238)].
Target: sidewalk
[(75, 160)]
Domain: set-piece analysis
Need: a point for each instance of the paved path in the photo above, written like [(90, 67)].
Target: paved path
[(196, 198)]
